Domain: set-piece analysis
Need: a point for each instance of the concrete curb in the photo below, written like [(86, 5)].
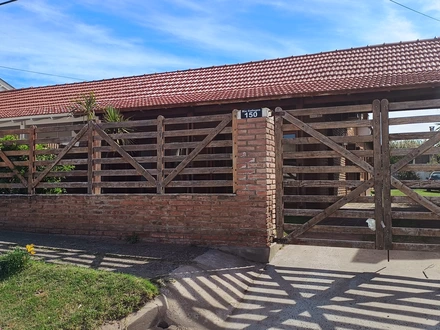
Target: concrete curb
[(149, 316)]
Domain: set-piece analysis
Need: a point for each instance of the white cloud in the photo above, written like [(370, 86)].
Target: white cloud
[(73, 39)]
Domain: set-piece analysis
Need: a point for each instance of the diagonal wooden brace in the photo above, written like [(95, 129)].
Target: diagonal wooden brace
[(197, 150), (125, 155), (328, 142), (13, 169)]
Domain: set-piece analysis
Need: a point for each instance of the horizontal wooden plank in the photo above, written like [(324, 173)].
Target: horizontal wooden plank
[(407, 200), (6, 175), (196, 119), (130, 124), (337, 139), (417, 232), (16, 163), (62, 162), (200, 183), (200, 157), (414, 120), (332, 229), (74, 150), (416, 247), (61, 128), (421, 167), (58, 140), (323, 154), (332, 124), (18, 132), (62, 185), (324, 199), (15, 142), (338, 214), (322, 169), (186, 171), (405, 151), (116, 159), (11, 186), (411, 136), (168, 159), (127, 147), (414, 216), (195, 132), (337, 243), (192, 145), (128, 136), (331, 110), (16, 153), (61, 174), (421, 183), (415, 105), (126, 184), (321, 183)]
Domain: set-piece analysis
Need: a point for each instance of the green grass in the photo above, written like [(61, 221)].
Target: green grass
[(48, 296), (421, 192)]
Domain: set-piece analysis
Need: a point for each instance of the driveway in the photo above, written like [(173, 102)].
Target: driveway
[(303, 287), (307, 287)]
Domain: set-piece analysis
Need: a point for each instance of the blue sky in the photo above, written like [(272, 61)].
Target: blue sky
[(95, 39)]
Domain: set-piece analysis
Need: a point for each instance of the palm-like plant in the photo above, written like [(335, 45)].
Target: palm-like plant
[(113, 115), (87, 105)]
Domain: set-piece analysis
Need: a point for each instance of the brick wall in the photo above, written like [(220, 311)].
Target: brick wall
[(246, 218)]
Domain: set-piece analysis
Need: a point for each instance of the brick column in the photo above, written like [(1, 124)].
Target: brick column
[(255, 161)]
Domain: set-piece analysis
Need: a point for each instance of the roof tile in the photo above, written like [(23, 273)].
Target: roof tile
[(400, 65)]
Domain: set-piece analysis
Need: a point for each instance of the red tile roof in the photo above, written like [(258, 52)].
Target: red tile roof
[(383, 67)]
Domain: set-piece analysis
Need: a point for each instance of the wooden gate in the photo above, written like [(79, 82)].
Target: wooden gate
[(344, 180)]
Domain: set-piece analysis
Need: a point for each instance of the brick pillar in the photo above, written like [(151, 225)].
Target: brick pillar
[(255, 170)]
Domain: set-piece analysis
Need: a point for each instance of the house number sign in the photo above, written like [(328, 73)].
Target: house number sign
[(253, 113)]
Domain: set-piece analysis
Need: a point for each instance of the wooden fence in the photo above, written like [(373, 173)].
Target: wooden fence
[(163, 155), (340, 166)]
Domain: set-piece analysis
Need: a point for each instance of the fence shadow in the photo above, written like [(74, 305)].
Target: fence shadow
[(141, 259), (303, 298)]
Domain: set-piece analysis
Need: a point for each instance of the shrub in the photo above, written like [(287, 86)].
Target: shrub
[(15, 261)]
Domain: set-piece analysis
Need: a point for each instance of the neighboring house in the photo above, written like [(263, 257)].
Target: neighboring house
[(4, 86), (23, 120), (398, 72)]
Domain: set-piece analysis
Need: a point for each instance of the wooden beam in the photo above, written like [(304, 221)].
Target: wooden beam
[(127, 157), (160, 188), (13, 169), (61, 155), (330, 210), (386, 192), (279, 189), (378, 174), (214, 132), (234, 151), (415, 196), (327, 141)]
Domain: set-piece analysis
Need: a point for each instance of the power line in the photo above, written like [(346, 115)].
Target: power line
[(46, 74), (416, 11), (6, 2)]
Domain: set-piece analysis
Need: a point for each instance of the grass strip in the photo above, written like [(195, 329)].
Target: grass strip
[(49, 296)]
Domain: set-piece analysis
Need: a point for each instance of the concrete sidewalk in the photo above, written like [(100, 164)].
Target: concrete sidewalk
[(302, 288), (308, 287)]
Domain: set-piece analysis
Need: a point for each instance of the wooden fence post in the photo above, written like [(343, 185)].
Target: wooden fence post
[(32, 168), (92, 167), (279, 204), (234, 150), (160, 155)]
